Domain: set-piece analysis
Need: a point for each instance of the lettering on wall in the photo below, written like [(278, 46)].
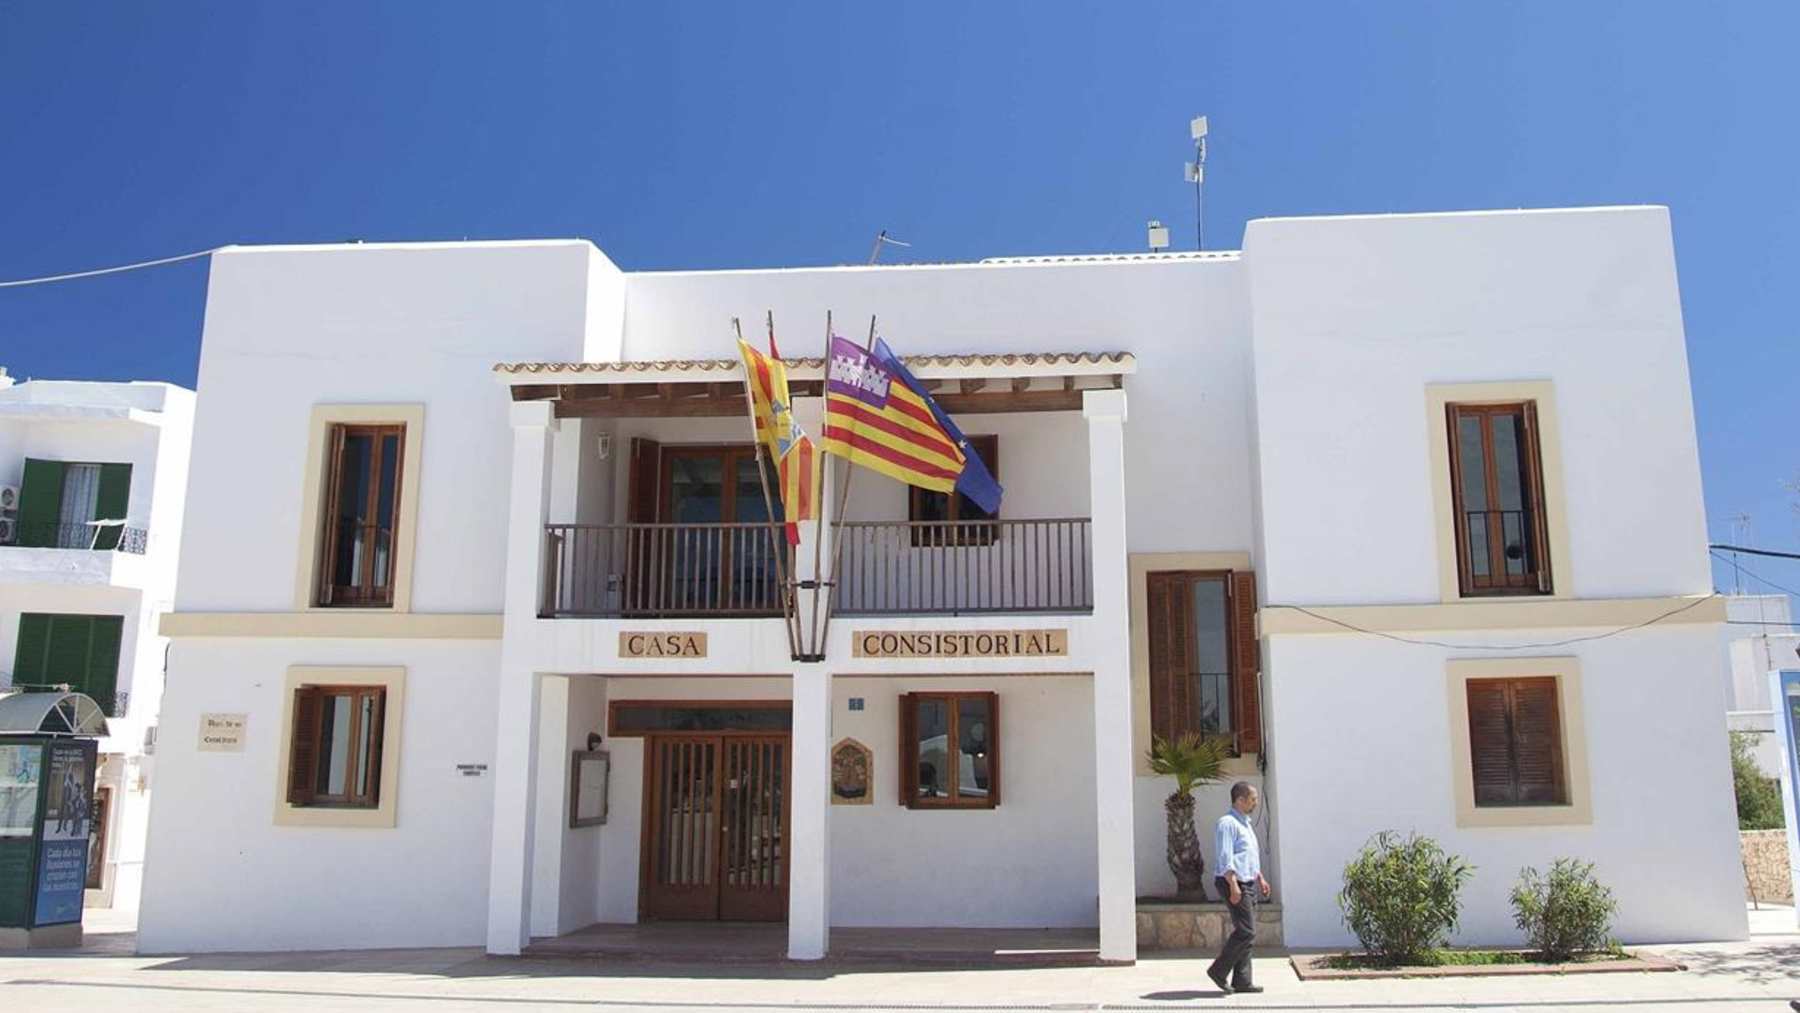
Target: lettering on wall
[(959, 643), (222, 733), (662, 645)]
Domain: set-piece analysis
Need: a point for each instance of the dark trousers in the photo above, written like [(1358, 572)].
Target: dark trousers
[(1234, 956)]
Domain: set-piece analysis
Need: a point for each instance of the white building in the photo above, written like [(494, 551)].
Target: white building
[(92, 478), (1760, 639), (1233, 504)]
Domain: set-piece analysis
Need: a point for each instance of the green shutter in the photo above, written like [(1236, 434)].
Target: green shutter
[(34, 637), (112, 503), (103, 661), (71, 641), (40, 502)]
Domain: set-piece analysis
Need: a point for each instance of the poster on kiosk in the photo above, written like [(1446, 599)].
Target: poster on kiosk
[(1784, 695), (68, 773)]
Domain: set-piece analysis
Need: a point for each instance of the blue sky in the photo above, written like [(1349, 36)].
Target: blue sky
[(696, 136)]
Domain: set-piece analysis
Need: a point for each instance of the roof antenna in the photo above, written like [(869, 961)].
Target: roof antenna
[(1196, 174), (883, 239)]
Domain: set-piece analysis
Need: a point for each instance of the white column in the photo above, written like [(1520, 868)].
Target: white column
[(552, 805), (1105, 413), (516, 705), (809, 868)]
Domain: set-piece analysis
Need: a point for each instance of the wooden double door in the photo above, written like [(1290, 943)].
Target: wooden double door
[(715, 826)]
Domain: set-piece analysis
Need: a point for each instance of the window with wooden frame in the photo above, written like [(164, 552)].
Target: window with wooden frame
[(940, 510), (336, 746), (1203, 655), (950, 750), (362, 498), (1516, 742), (1497, 488)]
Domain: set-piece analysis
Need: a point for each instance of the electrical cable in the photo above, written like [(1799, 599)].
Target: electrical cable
[(1754, 576), (1421, 642), (46, 279)]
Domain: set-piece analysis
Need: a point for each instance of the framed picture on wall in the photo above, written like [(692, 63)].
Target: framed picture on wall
[(588, 777)]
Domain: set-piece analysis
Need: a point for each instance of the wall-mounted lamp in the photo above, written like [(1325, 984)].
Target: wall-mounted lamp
[(593, 741), (605, 445)]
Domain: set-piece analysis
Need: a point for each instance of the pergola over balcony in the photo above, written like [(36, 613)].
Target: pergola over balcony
[(662, 564)]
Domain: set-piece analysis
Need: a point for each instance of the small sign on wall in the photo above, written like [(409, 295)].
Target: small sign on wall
[(471, 769), (222, 733), (657, 644)]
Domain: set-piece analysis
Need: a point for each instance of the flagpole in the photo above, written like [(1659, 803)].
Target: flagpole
[(819, 585), (837, 545), (789, 619)]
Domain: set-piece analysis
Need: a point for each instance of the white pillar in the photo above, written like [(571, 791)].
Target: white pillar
[(552, 803), (1105, 413), (809, 868), (516, 704)]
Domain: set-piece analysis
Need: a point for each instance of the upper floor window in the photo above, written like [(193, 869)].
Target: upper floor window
[(77, 651), (336, 746), (362, 496), (1203, 655), (1515, 742), (1497, 489), (70, 505), (939, 507)]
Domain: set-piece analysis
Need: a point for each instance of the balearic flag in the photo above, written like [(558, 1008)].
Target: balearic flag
[(877, 414), (796, 458)]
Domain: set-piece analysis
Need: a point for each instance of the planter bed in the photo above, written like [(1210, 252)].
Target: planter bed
[(1469, 964)]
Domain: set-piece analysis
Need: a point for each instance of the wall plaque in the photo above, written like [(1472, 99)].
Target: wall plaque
[(959, 643), (222, 733), (659, 644), (852, 773)]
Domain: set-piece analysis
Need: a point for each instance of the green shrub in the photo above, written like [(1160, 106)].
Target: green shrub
[(1758, 797), (1400, 897), (1566, 913)]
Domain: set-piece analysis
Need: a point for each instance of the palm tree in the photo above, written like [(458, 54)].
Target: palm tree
[(1192, 759)]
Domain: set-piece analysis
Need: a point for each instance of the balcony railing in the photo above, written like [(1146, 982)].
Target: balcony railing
[(964, 567), (885, 568), (105, 536)]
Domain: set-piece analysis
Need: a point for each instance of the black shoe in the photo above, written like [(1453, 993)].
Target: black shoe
[(1249, 989), (1219, 980)]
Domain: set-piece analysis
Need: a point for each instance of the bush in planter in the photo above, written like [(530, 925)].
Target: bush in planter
[(1401, 897), (1566, 912)]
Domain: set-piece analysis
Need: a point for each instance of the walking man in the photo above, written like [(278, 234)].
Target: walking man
[(1241, 883)]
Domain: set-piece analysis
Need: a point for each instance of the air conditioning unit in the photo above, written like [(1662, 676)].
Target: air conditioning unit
[(9, 530), (9, 499)]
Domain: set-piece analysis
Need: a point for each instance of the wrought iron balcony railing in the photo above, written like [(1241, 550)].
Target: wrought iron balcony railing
[(101, 535)]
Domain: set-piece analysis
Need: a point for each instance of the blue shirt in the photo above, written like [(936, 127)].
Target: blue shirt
[(1235, 841)]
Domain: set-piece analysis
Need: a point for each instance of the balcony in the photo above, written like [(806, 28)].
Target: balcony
[(898, 568), (105, 536), (77, 554)]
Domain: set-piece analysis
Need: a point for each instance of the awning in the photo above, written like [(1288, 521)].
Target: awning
[(51, 713)]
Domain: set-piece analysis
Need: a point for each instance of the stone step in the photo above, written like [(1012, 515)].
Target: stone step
[(1199, 926)]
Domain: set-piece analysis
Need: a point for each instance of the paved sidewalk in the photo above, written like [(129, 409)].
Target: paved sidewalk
[(1760, 974)]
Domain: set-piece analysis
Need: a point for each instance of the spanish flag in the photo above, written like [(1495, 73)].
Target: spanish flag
[(796, 458), (877, 415)]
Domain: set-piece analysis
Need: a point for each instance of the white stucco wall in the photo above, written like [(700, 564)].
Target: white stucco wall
[(1361, 743), (1354, 316), (223, 876)]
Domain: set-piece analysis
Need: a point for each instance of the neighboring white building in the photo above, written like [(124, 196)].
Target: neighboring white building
[(1234, 503), (92, 478), (1760, 639)]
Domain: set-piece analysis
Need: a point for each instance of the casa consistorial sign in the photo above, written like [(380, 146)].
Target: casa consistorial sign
[(662, 644), (960, 643)]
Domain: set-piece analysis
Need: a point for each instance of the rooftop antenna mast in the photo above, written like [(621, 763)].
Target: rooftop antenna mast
[(883, 239), (1196, 174)]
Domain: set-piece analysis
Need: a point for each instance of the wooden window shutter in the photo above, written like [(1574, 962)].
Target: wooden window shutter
[(29, 653), (1246, 663), (112, 503), (303, 758), (1534, 468), (643, 481), (1157, 624), (378, 718), (70, 648), (102, 677), (993, 744), (40, 503), (1537, 741), (1490, 742), (909, 751)]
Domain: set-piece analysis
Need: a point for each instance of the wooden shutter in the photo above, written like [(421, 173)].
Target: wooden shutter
[(1537, 741), (1534, 469), (1162, 718), (40, 503), (993, 740), (379, 719), (1490, 742), (909, 752), (28, 655), (71, 646), (101, 680), (113, 502), (643, 481), (303, 758), (1246, 664)]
